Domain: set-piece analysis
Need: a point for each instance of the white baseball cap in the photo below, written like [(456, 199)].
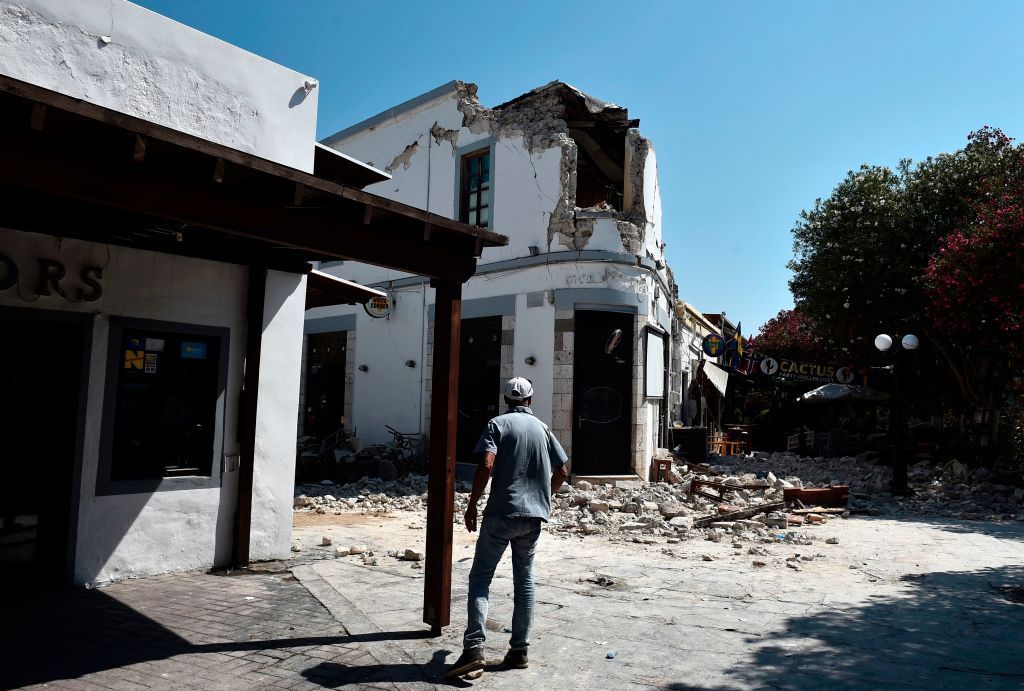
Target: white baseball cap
[(518, 389)]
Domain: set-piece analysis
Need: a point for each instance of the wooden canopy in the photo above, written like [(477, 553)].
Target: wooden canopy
[(75, 169)]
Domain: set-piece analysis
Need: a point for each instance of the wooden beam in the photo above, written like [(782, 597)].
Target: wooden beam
[(367, 215), (437, 584), (172, 193), (38, 118), (139, 154), (300, 193), (426, 232), (52, 99), (218, 171)]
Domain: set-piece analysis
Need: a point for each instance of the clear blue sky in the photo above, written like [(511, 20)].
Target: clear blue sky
[(755, 108)]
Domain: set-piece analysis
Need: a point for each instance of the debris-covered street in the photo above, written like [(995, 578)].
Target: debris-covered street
[(890, 593)]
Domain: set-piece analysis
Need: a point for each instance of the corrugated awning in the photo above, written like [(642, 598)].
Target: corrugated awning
[(323, 290), (717, 375)]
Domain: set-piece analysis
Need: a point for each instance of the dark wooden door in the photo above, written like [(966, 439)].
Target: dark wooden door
[(40, 386), (325, 382), (479, 381), (602, 393)]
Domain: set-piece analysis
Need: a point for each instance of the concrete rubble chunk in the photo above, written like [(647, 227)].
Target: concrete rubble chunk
[(832, 541), (681, 522), (341, 551), (413, 555), (325, 541), (598, 505), (357, 549)]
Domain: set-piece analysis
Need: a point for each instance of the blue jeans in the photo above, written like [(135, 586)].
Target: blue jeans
[(496, 533)]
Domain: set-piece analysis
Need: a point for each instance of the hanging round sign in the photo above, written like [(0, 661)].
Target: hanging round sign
[(379, 306), (713, 345)]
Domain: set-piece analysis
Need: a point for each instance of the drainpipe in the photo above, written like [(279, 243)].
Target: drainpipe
[(247, 414)]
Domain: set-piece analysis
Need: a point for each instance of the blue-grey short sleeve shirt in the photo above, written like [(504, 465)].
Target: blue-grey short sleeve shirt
[(525, 453)]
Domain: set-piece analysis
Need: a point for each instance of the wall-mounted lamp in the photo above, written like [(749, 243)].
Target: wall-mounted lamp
[(534, 250), (410, 363), (309, 85), (364, 368), (530, 360)]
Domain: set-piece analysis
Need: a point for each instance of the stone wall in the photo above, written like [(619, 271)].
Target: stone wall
[(561, 384)]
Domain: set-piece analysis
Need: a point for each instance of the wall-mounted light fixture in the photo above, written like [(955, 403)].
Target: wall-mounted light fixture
[(410, 363), (530, 360), (534, 250), (364, 368)]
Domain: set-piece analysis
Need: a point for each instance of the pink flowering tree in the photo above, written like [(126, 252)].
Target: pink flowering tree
[(790, 333), (974, 284)]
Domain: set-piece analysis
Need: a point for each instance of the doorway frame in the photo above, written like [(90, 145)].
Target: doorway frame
[(86, 322), (635, 358)]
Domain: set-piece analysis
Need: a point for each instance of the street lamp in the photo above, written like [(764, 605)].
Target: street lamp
[(884, 343)]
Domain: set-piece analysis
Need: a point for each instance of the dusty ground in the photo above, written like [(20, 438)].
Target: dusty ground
[(899, 603)]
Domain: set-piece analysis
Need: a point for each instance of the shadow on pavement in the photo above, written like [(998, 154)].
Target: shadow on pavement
[(49, 636), (951, 629)]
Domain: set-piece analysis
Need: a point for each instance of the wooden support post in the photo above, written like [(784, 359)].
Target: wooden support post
[(247, 414), (218, 171), (437, 586)]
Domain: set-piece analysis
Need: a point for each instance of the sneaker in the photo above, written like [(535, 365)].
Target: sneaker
[(471, 660), (516, 659)]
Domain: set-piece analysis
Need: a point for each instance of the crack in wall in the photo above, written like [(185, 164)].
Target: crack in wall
[(404, 159), (441, 134)]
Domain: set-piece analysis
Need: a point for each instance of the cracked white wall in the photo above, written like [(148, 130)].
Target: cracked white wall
[(534, 188), (161, 71)]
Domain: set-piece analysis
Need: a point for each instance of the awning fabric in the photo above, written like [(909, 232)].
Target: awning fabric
[(717, 375), (323, 289)]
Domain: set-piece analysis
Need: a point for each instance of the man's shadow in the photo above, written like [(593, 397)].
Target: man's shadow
[(335, 675)]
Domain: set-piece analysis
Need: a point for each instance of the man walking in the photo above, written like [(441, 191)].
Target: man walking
[(526, 465)]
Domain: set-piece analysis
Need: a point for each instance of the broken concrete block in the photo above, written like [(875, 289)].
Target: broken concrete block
[(650, 506), (777, 520), (590, 528), (341, 552), (723, 525), (832, 541), (758, 562), (671, 509), (302, 500), (598, 506), (325, 541), (614, 505), (794, 519), (681, 522), (413, 555), (707, 557), (583, 486), (357, 549)]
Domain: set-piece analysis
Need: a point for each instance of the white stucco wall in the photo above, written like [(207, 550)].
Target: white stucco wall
[(280, 362), (389, 392), (162, 71), (126, 535)]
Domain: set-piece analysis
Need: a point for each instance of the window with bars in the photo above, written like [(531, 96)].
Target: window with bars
[(475, 197)]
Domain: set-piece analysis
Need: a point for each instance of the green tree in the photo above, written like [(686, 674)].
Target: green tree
[(861, 255)]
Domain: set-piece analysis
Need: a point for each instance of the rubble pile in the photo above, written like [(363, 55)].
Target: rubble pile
[(633, 511), (949, 490)]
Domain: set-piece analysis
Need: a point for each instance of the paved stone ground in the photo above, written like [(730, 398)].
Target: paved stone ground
[(930, 603), (191, 630), (898, 604)]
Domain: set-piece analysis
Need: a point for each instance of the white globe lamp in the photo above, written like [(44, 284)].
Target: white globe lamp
[(883, 342), (910, 342)]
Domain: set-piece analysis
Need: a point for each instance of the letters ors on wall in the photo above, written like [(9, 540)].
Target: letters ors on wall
[(40, 270)]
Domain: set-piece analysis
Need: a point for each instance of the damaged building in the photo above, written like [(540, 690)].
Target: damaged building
[(581, 300)]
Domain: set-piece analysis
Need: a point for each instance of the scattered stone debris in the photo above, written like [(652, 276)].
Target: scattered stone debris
[(738, 499), (325, 541)]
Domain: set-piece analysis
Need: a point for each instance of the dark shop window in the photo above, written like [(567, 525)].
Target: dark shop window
[(475, 206), (168, 382)]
